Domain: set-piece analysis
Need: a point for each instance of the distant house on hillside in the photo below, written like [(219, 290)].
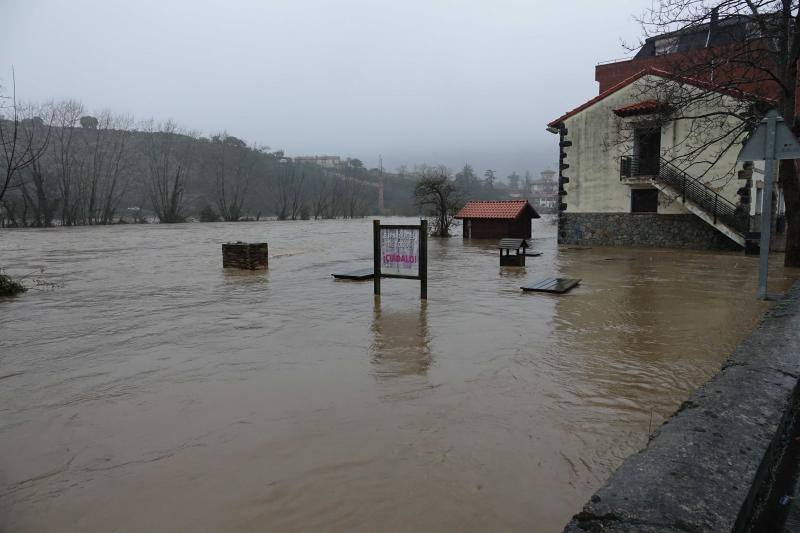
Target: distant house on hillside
[(326, 161), (544, 192), (497, 219)]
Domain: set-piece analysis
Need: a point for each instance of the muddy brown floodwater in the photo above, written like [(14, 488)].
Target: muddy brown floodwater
[(153, 391)]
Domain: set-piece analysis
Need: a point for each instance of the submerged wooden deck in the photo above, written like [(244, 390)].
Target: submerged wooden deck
[(552, 285)]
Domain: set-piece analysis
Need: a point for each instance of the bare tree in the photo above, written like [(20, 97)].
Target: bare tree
[(107, 166), (320, 192), (37, 184), (436, 194), (89, 122), (362, 195), (233, 163), (169, 153), (20, 150), (337, 204), (282, 186), (733, 84), (66, 158), (297, 195)]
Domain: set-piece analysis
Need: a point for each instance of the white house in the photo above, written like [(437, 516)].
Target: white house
[(630, 175)]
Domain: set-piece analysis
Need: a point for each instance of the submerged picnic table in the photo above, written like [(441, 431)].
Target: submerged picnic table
[(553, 285), (361, 274)]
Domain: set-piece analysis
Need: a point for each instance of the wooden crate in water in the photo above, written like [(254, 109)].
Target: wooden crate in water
[(246, 255)]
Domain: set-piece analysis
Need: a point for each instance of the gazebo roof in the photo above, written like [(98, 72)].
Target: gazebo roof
[(513, 244), (496, 209)]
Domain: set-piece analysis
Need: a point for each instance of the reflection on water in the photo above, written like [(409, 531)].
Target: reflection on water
[(156, 391), (401, 346)]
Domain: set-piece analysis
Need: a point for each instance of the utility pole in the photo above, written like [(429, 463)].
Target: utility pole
[(380, 185)]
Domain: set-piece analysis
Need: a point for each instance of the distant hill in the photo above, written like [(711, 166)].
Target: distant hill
[(100, 170)]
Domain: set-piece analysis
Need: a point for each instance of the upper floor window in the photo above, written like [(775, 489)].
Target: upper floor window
[(667, 45), (752, 30)]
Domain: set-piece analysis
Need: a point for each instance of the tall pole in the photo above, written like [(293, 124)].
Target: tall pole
[(766, 209), (423, 259), (376, 257), (380, 184)]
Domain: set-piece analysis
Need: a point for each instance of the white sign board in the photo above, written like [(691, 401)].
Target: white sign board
[(400, 251)]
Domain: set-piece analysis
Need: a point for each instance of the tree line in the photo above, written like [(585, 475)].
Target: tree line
[(62, 166)]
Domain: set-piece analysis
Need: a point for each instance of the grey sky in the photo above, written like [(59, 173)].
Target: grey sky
[(415, 80)]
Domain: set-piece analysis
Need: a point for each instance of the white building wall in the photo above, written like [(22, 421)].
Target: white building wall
[(593, 158)]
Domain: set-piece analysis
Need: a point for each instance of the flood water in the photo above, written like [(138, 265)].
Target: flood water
[(154, 391)]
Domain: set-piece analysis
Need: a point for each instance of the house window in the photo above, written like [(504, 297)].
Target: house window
[(759, 200), (752, 30), (667, 45), (647, 151), (644, 200)]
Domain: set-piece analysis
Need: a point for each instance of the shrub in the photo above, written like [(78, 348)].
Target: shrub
[(9, 287), (207, 214)]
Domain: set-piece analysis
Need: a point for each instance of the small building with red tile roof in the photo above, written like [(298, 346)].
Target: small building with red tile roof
[(497, 219)]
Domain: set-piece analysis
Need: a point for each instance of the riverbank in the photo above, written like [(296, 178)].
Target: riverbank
[(712, 465)]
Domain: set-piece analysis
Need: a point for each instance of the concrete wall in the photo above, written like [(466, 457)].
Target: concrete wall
[(593, 159), (641, 229), (712, 465)]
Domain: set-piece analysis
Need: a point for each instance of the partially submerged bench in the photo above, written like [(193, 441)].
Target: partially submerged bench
[(362, 274), (552, 285)]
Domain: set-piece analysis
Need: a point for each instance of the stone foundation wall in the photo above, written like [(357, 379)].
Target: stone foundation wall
[(640, 229)]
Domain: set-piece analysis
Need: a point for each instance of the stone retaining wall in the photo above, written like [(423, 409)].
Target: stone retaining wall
[(710, 466), (640, 229)]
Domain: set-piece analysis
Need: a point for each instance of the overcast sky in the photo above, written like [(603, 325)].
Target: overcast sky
[(418, 81)]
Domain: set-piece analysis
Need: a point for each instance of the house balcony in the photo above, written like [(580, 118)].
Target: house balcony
[(635, 170)]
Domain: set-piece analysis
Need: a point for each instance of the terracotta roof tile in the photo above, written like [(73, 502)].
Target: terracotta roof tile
[(502, 209)]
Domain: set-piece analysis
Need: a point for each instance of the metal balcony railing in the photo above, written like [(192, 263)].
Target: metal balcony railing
[(688, 188), (634, 167)]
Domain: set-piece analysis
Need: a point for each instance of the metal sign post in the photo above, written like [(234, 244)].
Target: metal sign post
[(400, 252), (766, 212), (772, 140)]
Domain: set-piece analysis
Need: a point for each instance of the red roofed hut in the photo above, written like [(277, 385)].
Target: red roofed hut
[(497, 219)]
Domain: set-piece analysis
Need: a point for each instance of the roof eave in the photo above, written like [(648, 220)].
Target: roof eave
[(735, 93)]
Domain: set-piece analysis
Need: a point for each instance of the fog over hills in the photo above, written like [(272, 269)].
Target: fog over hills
[(417, 81)]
